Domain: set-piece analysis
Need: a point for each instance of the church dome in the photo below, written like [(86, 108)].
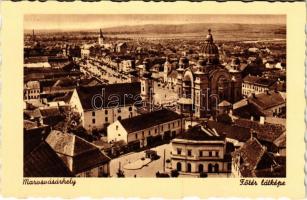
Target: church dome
[(210, 50)]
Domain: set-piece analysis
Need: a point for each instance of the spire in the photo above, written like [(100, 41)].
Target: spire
[(209, 37), (33, 35), (101, 33)]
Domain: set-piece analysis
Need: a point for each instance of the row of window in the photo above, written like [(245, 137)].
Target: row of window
[(200, 153), (33, 91), (106, 119), (155, 130), (106, 111)]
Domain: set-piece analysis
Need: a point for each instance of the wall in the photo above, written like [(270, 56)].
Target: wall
[(116, 132)]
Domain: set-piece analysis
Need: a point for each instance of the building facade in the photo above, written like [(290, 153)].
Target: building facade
[(202, 87), (200, 150), (32, 90), (147, 129), (102, 105)]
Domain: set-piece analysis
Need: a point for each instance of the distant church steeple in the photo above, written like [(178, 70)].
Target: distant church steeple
[(101, 38), (33, 35)]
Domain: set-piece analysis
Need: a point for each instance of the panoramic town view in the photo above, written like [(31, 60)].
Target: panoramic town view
[(198, 96)]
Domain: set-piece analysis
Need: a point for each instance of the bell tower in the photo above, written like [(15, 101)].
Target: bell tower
[(147, 89)]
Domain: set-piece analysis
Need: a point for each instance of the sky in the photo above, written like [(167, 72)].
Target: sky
[(92, 21)]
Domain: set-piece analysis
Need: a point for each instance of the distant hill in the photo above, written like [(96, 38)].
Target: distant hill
[(194, 28)]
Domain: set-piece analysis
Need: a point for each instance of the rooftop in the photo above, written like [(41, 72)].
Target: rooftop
[(201, 133), (78, 154), (112, 95), (44, 162), (148, 120)]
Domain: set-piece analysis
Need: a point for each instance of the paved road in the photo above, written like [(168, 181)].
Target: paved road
[(147, 171)]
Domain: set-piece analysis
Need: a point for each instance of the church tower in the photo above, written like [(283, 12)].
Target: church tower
[(236, 81), (166, 69), (147, 89), (100, 38)]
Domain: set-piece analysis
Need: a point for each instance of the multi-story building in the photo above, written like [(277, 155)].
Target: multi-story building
[(200, 149), (256, 85), (102, 105), (32, 90)]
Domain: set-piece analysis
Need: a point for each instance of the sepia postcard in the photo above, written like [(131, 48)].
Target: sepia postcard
[(144, 99)]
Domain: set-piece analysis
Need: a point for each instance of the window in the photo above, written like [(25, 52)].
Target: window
[(156, 130), (106, 112), (119, 110), (162, 128), (179, 123), (210, 153), (106, 119), (116, 127), (143, 134), (200, 153), (216, 153), (93, 113), (119, 118), (136, 136), (173, 124), (149, 132), (178, 151), (93, 121), (189, 152), (130, 108)]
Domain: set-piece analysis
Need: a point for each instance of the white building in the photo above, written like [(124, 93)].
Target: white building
[(102, 105), (146, 129), (32, 90), (255, 84), (200, 149)]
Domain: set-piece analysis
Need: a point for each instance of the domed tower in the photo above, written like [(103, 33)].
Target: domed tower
[(210, 50), (201, 85)]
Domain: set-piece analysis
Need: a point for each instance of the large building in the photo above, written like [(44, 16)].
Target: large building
[(102, 105), (201, 149), (256, 84), (202, 87), (147, 129), (32, 90)]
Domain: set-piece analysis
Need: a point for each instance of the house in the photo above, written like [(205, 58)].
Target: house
[(201, 150), (101, 105), (256, 84), (121, 47), (253, 160), (32, 90), (82, 158), (268, 104), (146, 129), (42, 161)]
